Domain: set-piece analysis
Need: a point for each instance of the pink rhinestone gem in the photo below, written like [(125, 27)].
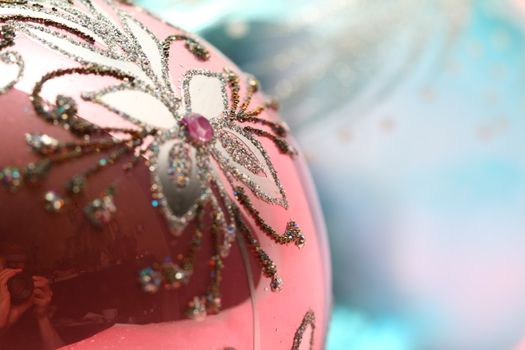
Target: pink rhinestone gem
[(199, 128)]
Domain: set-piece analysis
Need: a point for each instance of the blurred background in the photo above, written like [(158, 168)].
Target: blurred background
[(412, 116)]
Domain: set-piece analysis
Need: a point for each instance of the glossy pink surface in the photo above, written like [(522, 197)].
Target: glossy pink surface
[(253, 317)]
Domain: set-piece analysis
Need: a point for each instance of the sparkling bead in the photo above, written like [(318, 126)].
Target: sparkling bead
[(35, 172), (53, 202), (150, 280), (198, 127), (11, 178), (276, 284), (173, 275), (214, 304), (230, 230), (254, 84), (301, 241), (76, 185), (293, 233), (66, 108), (197, 309), (101, 210), (42, 143)]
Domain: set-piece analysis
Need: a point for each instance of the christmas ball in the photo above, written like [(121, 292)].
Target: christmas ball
[(152, 197)]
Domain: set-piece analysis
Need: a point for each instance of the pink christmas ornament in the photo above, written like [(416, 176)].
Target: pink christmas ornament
[(152, 196)]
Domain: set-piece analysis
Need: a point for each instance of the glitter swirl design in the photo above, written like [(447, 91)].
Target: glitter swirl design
[(189, 180)]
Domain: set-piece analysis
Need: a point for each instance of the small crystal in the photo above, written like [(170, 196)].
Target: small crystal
[(11, 178), (53, 202), (276, 284), (293, 233), (150, 280), (214, 304), (173, 275), (42, 143), (231, 229), (254, 84), (66, 108), (35, 172), (301, 241), (101, 210), (197, 309), (76, 185)]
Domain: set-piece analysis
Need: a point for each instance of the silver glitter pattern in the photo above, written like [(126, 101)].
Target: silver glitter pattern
[(186, 177)]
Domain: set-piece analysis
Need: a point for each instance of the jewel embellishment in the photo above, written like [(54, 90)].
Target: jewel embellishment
[(201, 144), (198, 128)]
